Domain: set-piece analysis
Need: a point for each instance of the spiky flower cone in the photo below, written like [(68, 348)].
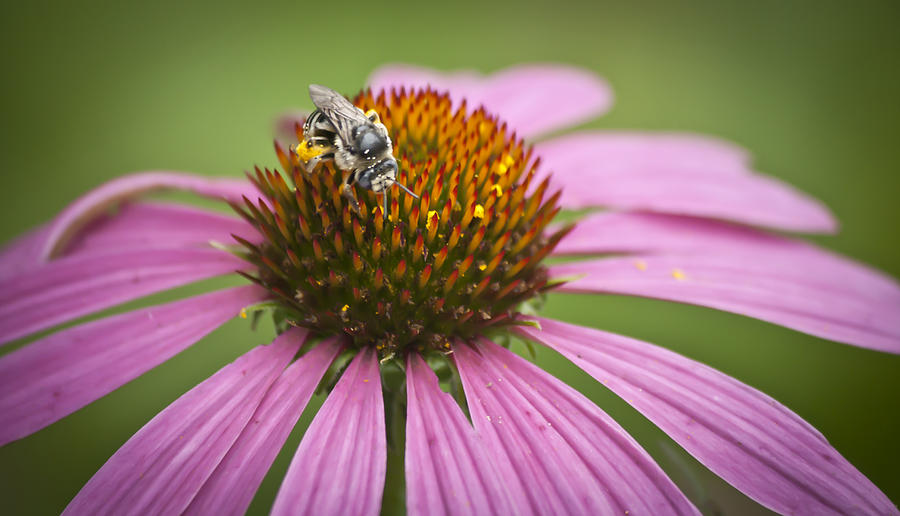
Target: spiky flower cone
[(452, 263)]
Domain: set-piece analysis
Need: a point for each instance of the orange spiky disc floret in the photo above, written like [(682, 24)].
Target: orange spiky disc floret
[(452, 263)]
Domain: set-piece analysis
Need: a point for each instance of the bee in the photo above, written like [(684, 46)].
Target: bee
[(357, 142)]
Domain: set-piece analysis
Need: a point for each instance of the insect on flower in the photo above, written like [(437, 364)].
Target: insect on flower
[(357, 141)]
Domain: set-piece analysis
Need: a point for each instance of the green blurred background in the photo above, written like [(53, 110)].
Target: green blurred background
[(95, 90)]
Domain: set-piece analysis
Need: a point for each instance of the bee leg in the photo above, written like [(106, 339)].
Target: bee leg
[(347, 192), (312, 163), (310, 153), (384, 202)]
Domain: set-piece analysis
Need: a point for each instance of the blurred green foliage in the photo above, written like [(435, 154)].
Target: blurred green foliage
[(92, 90)]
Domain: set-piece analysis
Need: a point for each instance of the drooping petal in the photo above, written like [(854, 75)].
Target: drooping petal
[(533, 99), (22, 253), (86, 208), (824, 306), (161, 468), (340, 465), (230, 489), (747, 438), (57, 375), (153, 225), (613, 232), (447, 468), (684, 185), (565, 453), (641, 232), (133, 226), (626, 151), (76, 286)]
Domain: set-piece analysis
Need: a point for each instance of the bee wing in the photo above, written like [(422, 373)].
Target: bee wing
[(342, 113)]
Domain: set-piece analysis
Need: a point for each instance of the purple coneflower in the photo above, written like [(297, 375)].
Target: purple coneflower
[(382, 311)]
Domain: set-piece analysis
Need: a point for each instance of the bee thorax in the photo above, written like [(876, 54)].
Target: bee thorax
[(343, 157), (369, 142)]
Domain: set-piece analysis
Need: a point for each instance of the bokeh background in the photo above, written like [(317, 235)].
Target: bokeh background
[(92, 90)]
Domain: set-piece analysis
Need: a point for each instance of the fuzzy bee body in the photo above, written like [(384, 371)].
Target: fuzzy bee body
[(358, 143), (318, 130)]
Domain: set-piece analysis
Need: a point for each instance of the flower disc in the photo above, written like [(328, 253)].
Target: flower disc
[(452, 263)]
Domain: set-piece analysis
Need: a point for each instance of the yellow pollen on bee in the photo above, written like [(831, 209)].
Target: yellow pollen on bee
[(678, 274), (307, 153), (431, 219), (640, 265), (373, 115), (243, 313), (498, 189), (479, 211)]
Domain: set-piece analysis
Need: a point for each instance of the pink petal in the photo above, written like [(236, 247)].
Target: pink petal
[(134, 225), (599, 169), (661, 234), (57, 375), (447, 468), (76, 286), (566, 453), (285, 126), (620, 151), (22, 253), (744, 436), (155, 225), (85, 209), (230, 489), (161, 468), (533, 99), (340, 465), (824, 306)]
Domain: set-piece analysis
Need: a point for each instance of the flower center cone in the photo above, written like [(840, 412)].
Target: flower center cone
[(453, 263)]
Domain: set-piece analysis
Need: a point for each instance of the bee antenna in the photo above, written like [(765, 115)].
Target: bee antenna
[(407, 190)]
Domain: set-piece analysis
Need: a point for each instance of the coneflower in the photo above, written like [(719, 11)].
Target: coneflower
[(385, 313)]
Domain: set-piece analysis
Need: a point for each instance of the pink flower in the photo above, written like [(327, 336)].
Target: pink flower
[(687, 221)]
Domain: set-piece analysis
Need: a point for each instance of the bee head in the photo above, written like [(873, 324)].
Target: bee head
[(387, 168)]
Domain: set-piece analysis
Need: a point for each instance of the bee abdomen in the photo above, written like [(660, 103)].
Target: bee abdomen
[(318, 129)]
